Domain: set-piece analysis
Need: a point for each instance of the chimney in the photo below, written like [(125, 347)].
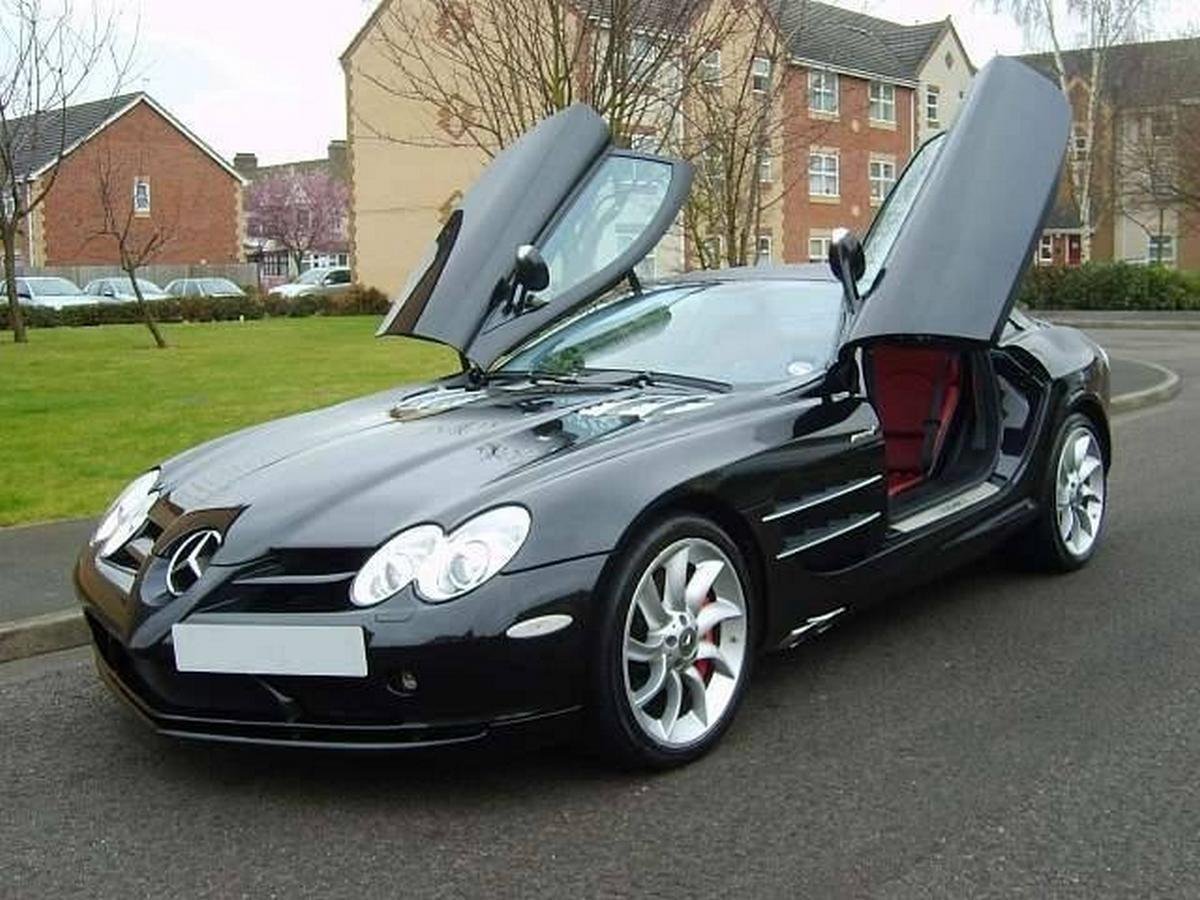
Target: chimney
[(339, 165), (246, 164)]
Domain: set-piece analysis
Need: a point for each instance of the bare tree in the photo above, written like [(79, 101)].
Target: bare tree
[(737, 136), (302, 211), (492, 70), (50, 55), (1151, 170), (138, 237), (1102, 25)]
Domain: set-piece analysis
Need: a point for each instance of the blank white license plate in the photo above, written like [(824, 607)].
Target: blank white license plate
[(271, 649)]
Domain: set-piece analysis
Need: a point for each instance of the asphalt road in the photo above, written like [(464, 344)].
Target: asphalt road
[(997, 734)]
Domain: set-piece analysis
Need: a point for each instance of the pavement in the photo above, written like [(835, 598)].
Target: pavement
[(995, 734), (1125, 319)]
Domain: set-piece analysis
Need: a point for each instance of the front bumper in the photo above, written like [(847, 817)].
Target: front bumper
[(472, 682)]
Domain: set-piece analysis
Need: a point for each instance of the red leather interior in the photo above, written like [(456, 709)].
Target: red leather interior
[(905, 386)]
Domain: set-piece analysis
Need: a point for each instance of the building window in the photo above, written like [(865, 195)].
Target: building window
[(714, 165), (823, 92), (1080, 142), (710, 69), (644, 142), (1162, 125), (818, 246), (823, 174), (141, 196), (760, 75), (763, 256), (1045, 255), (1160, 250), (883, 102), (933, 96), (882, 175), (766, 171), (714, 251), (8, 206)]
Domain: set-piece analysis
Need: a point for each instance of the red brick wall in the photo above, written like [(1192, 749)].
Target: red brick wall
[(192, 198), (856, 139)]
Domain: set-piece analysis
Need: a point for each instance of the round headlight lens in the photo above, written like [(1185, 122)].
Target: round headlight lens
[(126, 514), (474, 552), (443, 566), (394, 565)]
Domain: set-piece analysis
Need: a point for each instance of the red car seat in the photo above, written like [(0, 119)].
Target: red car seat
[(916, 392)]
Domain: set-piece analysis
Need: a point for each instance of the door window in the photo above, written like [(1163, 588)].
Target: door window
[(615, 208), (895, 210)]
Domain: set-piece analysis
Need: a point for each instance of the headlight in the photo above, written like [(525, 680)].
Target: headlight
[(443, 566), (127, 514)]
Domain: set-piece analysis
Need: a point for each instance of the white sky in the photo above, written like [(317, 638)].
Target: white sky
[(263, 75)]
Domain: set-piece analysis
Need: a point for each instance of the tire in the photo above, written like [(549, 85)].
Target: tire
[(664, 687), (1072, 510)]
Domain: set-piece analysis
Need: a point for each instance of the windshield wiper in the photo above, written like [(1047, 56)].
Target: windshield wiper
[(534, 376), (652, 378)]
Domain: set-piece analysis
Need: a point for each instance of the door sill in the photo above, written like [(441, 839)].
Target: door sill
[(953, 504)]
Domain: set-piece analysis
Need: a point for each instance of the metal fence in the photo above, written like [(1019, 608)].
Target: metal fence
[(245, 274)]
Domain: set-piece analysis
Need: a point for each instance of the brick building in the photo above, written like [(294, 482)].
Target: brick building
[(175, 183), (880, 89)]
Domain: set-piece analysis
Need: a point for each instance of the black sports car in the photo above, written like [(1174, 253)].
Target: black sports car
[(629, 491)]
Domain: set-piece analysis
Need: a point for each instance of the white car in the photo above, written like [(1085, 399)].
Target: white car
[(51, 291), (315, 282), (120, 288)]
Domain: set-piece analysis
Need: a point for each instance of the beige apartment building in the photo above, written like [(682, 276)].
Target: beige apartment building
[(1147, 126), (859, 93)]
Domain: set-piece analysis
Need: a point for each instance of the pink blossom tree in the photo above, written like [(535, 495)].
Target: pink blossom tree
[(301, 211)]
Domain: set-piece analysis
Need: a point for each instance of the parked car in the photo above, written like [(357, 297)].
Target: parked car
[(51, 291), (119, 288), (315, 283), (627, 495), (204, 287)]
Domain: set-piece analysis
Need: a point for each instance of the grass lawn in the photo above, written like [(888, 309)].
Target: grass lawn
[(83, 410)]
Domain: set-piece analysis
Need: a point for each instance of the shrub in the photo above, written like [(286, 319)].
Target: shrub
[(1110, 286), (356, 302)]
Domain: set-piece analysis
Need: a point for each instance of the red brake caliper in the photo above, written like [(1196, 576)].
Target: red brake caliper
[(705, 666)]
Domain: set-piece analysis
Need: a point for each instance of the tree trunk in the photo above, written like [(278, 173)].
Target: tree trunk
[(10, 284), (147, 315)]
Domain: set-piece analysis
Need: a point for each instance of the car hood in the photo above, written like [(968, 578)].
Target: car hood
[(353, 474)]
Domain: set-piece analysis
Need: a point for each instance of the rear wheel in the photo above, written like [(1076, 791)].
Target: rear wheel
[(675, 651), (1073, 501)]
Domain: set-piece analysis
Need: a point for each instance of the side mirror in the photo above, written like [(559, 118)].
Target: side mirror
[(532, 272), (846, 254), (848, 262)]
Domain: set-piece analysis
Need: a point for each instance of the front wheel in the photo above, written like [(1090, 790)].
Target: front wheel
[(675, 650), (1073, 501)]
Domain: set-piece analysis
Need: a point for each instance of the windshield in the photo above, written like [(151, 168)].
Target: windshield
[(220, 286), (312, 276), (886, 227), (739, 332), (52, 287)]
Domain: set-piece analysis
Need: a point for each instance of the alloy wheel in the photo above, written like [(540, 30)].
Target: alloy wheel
[(684, 645), (1079, 491)]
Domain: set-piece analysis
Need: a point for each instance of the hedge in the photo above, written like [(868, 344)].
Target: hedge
[(1110, 286), (356, 302)]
